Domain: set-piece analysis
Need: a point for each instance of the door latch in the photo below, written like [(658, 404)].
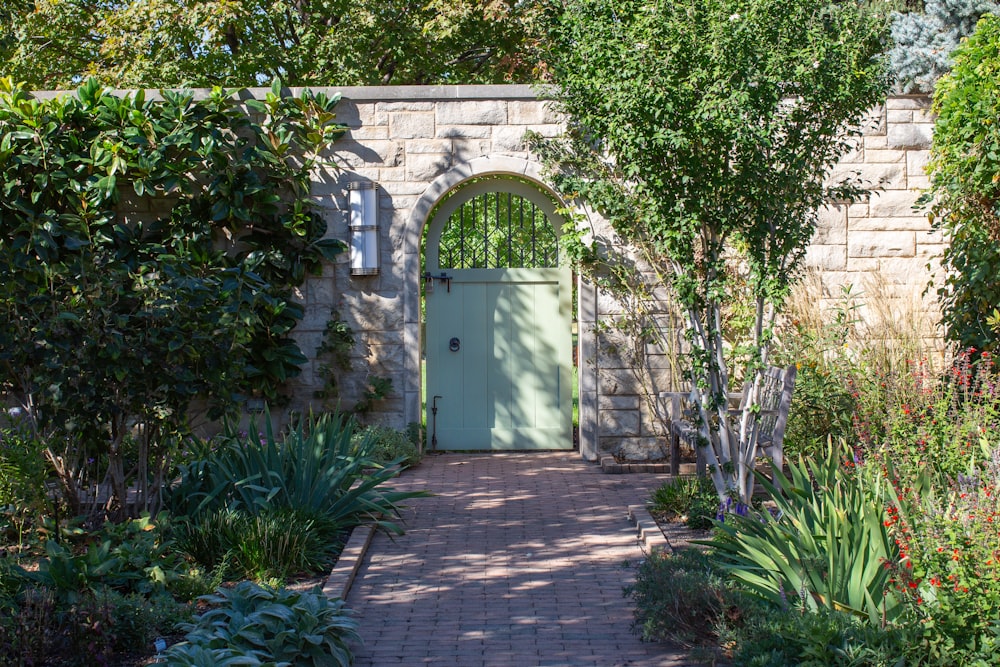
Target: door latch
[(454, 344)]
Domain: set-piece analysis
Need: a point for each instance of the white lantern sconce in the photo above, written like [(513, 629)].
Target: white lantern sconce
[(363, 204)]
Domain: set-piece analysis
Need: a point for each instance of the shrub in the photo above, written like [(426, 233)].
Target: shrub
[(825, 546), (825, 638), (100, 628), (964, 165), (693, 498), (273, 544), (948, 572), (389, 445), (316, 469), (682, 597), (270, 625)]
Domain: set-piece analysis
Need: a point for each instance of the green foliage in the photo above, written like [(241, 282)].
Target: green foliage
[(777, 638), (948, 572), (334, 355), (273, 626), (965, 187), (825, 546), (135, 557), (104, 627), (23, 473), (387, 445), (152, 43), (692, 498), (705, 134), (148, 251), (270, 545), (316, 468), (683, 598)]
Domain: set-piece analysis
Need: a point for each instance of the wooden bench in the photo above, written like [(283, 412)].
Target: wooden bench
[(774, 398)]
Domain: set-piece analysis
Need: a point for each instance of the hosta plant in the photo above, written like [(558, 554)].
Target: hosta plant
[(272, 626)]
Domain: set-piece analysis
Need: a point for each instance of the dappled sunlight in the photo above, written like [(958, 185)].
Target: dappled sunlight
[(514, 549)]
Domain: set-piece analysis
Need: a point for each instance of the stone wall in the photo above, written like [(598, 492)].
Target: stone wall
[(884, 235), (418, 143)]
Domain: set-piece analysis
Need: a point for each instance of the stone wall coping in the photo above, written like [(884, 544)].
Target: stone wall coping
[(365, 93), (396, 93)]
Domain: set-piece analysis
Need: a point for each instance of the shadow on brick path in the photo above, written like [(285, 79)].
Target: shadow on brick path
[(516, 561)]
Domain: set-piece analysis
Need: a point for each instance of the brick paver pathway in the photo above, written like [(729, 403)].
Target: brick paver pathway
[(517, 561)]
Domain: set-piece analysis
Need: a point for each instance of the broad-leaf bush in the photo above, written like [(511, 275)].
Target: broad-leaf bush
[(148, 252), (965, 188)]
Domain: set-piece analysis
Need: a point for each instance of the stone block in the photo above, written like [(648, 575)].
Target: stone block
[(383, 359), (424, 146), (425, 168), (619, 381), (910, 135), (912, 102), (826, 257), (375, 152), (881, 244), (464, 131), (857, 210), (875, 155), (931, 251), (618, 402), (899, 116), (888, 176), (466, 150), (876, 142), (618, 422), (910, 223), (893, 204), (534, 112), (472, 112), (873, 123), (321, 293), (408, 105), (509, 138), (368, 132), (916, 163), (636, 448), (830, 235), (411, 125)]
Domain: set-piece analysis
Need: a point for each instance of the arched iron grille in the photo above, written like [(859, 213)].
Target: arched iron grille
[(498, 230)]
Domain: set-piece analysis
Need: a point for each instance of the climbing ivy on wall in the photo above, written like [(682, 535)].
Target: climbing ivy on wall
[(148, 253)]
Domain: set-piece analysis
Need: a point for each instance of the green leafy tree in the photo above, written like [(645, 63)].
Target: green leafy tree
[(965, 187), (155, 43), (705, 134), (148, 250)]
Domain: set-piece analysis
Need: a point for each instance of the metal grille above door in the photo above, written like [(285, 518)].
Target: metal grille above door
[(498, 230)]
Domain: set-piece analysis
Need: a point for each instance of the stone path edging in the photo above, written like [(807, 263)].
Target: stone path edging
[(338, 584)]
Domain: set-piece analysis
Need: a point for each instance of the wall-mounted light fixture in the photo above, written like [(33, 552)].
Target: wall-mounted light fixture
[(363, 203)]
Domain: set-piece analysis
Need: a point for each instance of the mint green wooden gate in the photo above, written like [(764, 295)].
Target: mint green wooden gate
[(498, 345)]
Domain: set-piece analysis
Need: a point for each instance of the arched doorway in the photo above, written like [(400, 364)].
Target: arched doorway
[(498, 316)]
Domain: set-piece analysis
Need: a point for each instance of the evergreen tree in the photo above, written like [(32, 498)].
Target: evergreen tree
[(924, 41)]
